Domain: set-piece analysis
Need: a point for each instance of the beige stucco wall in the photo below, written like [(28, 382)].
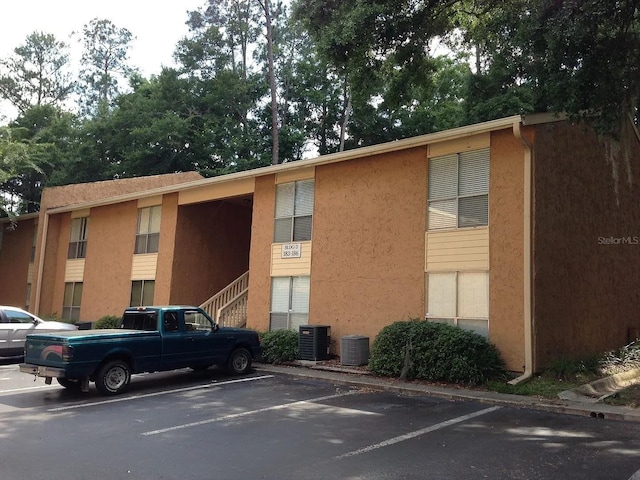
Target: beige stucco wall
[(14, 261), (367, 266), (506, 248), (52, 285), (107, 272), (166, 249), (586, 282), (260, 254), (211, 249)]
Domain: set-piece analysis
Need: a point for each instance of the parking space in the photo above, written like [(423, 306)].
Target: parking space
[(208, 425)]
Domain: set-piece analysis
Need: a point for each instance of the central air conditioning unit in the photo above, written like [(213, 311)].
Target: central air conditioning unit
[(313, 342), (354, 350)]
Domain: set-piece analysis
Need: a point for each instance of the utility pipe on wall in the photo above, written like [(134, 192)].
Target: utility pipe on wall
[(528, 314)]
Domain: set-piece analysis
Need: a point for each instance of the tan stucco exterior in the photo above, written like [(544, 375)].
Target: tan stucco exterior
[(166, 249), (264, 200), (586, 242), (211, 249), (15, 252), (367, 267), (506, 240), (107, 276), (370, 249)]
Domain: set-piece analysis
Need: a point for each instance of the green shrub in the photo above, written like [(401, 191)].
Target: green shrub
[(108, 321), (279, 346), (566, 369), (424, 350)]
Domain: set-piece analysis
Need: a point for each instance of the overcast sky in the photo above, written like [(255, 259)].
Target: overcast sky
[(157, 25)]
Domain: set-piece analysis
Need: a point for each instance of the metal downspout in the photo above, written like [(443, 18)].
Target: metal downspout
[(528, 317)]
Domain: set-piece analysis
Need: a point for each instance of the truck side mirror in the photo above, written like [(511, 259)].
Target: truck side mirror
[(215, 328)]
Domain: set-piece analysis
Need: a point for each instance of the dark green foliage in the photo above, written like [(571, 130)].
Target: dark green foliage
[(433, 351), (108, 321), (279, 346)]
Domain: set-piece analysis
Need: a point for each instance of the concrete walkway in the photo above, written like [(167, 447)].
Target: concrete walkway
[(345, 376)]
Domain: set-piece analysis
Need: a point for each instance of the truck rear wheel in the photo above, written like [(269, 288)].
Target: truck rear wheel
[(71, 384), (113, 377), (239, 362)]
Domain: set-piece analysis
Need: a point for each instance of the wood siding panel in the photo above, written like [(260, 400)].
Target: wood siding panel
[(290, 267), (467, 144), (81, 213), (150, 201), (303, 174), (457, 251), (144, 266), (74, 270)]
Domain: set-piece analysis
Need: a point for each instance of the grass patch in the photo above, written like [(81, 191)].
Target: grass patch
[(546, 385), (563, 374), (629, 397)]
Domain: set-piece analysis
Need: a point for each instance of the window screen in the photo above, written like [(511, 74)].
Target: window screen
[(148, 230), (289, 302), (78, 238), (294, 211), (142, 292), (459, 298), (458, 190), (71, 301)]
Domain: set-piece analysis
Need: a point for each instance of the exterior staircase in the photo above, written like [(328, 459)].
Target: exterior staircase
[(228, 307)]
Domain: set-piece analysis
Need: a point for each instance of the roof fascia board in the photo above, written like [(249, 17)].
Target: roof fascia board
[(19, 218), (388, 147), (538, 118)]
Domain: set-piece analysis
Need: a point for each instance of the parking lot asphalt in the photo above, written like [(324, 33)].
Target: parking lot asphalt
[(348, 376)]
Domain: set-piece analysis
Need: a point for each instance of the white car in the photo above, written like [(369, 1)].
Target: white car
[(16, 324)]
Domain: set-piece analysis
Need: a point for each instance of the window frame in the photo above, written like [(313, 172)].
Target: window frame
[(147, 238), (457, 319), (435, 186), (141, 300), (294, 316), (71, 311), (77, 246), (298, 213)]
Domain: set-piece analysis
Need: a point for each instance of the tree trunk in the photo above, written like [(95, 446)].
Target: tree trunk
[(272, 85)]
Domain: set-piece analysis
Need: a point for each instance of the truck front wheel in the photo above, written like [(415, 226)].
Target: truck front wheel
[(113, 377), (239, 362)]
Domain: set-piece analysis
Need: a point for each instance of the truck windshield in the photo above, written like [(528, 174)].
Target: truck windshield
[(140, 321)]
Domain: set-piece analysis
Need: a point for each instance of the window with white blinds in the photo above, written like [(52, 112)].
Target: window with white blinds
[(289, 303), (294, 211), (77, 238), (148, 230), (71, 301), (459, 190), (461, 299), (142, 292)]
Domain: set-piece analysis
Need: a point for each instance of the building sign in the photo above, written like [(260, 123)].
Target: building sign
[(291, 250)]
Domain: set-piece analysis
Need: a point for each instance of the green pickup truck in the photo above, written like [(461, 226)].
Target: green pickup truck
[(149, 339)]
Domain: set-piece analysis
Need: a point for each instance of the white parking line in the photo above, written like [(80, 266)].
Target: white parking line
[(26, 389), (244, 414), (155, 394), (417, 433)]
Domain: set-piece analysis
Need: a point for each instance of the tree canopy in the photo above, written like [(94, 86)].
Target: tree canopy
[(262, 81)]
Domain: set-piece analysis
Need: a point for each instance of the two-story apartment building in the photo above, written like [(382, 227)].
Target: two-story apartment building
[(523, 229)]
